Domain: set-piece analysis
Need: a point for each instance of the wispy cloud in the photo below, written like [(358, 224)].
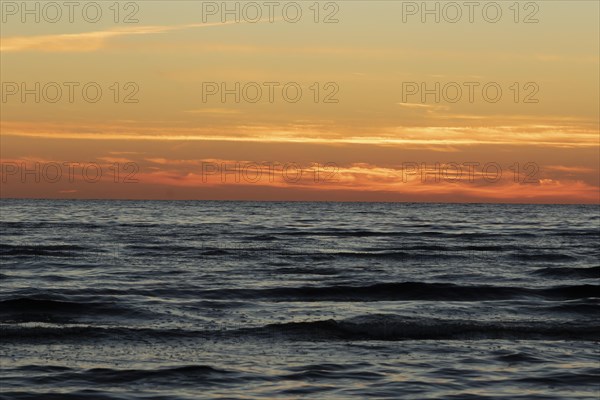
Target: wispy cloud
[(218, 111), (558, 136), (87, 41), (361, 177), (569, 169)]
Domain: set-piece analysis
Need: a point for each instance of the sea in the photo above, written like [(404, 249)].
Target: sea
[(255, 300)]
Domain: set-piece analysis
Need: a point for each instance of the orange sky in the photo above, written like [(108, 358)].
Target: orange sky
[(353, 122)]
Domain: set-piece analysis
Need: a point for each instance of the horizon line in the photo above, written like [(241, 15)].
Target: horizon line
[(300, 201)]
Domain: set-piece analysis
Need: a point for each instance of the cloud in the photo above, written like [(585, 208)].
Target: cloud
[(569, 169), (426, 182), (364, 177), (216, 111), (422, 106), (86, 41), (114, 160), (558, 136)]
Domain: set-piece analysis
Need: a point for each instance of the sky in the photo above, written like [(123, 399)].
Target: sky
[(323, 101)]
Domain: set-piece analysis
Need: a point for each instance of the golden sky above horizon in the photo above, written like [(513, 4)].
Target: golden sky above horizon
[(346, 100)]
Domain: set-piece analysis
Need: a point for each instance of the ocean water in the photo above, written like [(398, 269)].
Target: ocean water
[(185, 300)]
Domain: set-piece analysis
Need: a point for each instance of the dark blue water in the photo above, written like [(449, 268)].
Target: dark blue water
[(132, 300)]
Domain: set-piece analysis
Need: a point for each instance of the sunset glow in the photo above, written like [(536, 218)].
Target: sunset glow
[(369, 94)]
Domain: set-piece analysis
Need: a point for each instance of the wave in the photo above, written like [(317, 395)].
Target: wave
[(404, 291), (57, 250), (574, 272), (519, 357), (88, 394), (175, 374), (25, 379), (590, 307), (329, 371), (393, 255), (366, 327), (81, 300), (392, 327), (44, 333), (306, 271), (49, 224), (587, 309), (170, 250), (578, 232), (544, 257), (406, 232), (32, 309)]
